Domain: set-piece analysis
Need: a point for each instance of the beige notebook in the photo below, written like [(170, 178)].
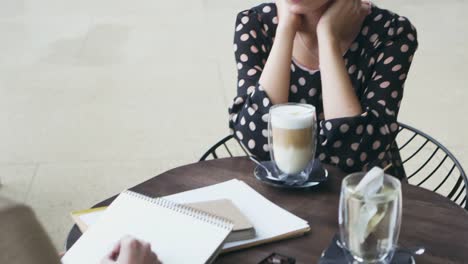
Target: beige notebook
[(225, 208)]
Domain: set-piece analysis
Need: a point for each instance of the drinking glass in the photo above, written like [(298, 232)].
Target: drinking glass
[(292, 140), (370, 224)]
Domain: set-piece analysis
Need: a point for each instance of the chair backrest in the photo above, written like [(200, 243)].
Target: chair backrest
[(22, 238), (427, 162), (430, 165), (226, 147)]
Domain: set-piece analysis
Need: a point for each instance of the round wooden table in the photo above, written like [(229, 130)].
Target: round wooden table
[(429, 219)]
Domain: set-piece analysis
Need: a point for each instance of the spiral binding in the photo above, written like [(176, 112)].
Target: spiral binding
[(186, 210)]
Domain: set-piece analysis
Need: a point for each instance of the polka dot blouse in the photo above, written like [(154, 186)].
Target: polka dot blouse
[(377, 62)]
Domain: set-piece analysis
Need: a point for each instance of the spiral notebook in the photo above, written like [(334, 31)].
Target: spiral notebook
[(179, 234)]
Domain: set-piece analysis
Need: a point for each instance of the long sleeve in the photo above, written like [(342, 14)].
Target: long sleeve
[(248, 115), (356, 143)]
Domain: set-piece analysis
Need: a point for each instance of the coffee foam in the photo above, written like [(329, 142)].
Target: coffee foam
[(292, 117)]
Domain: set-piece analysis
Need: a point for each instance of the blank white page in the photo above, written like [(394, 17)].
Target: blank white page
[(175, 237), (268, 219), (91, 218)]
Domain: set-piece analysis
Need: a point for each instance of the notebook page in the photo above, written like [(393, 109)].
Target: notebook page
[(90, 218), (175, 237), (268, 219)]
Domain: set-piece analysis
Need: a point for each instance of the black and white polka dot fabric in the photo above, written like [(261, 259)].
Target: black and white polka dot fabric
[(378, 62)]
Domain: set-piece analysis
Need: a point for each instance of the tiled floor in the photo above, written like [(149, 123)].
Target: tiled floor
[(97, 96)]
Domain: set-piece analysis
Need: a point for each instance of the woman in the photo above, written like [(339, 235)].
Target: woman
[(348, 58)]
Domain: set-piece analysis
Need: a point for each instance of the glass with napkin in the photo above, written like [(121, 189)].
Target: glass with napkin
[(370, 215)]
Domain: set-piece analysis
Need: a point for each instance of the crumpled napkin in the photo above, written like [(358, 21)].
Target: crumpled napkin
[(369, 217)]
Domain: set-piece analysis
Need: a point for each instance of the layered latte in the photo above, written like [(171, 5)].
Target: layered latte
[(293, 137)]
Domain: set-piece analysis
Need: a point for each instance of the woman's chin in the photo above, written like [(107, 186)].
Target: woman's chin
[(297, 9), (302, 8)]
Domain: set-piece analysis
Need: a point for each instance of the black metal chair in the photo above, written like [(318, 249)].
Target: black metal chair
[(427, 162), (227, 147), (430, 165)]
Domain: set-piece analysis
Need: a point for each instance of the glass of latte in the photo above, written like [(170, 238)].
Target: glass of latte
[(292, 140)]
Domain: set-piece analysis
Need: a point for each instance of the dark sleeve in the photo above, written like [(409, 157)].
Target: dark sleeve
[(248, 114), (356, 143)]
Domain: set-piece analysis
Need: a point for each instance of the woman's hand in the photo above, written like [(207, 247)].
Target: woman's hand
[(130, 250), (341, 18), (287, 20)]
